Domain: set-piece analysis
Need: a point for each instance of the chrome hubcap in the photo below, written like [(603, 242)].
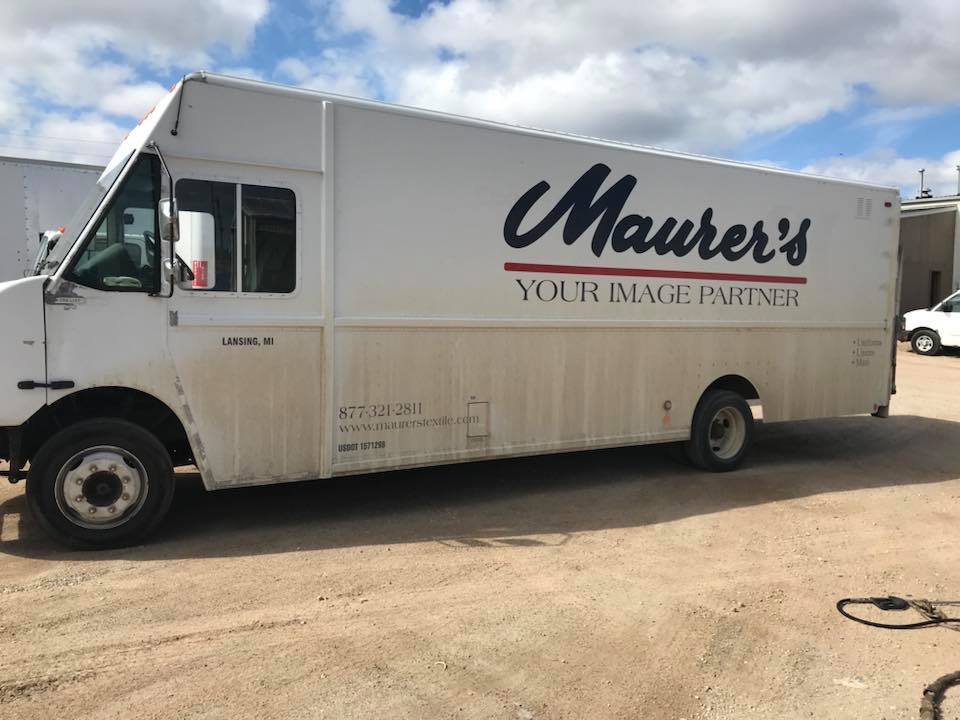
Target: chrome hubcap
[(924, 343), (728, 430), (101, 487)]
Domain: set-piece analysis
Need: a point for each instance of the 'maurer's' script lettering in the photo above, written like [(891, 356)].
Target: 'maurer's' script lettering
[(636, 232)]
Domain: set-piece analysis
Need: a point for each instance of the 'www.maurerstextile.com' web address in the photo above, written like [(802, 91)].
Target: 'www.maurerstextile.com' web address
[(412, 424)]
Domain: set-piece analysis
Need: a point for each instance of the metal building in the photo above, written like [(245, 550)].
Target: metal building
[(930, 237)]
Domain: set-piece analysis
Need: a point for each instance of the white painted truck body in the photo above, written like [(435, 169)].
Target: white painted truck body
[(35, 196), (439, 315)]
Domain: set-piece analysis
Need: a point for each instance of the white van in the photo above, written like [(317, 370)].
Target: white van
[(359, 287), (929, 330)]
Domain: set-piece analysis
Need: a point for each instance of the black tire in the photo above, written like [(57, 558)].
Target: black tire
[(925, 342), (720, 411), (56, 464)]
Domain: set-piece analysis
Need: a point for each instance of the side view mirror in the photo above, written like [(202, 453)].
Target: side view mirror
[(184, 275), (169, 222)]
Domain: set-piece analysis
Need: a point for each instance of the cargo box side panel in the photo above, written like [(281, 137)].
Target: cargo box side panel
[(505, 293), (438, 219)]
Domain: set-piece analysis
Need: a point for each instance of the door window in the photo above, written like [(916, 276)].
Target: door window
[(213, 268), (266, 236), (269, 239), (121, 253)]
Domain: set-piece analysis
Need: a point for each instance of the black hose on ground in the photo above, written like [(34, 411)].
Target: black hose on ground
[(934, 692), (933, 695), (927, 608)]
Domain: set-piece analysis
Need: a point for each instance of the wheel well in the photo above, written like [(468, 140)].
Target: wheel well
[(116, 402), (735, 383)]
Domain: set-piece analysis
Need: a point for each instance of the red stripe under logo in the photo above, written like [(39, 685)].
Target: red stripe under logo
[(644, 272)]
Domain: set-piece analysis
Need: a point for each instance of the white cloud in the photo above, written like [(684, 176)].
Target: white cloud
[(171, 33), (89, 139), (242, 71), (334, 71), (690, 74), (884, 167), (90, 56), (132, 100)]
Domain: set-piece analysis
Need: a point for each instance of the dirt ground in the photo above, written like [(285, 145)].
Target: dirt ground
[(609, 584)]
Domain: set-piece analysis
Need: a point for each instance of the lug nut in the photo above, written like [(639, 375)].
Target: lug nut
[(79, 498), (126, 479), (92, 510), (113, 468), (79, 481), (112, 509), (93, 468), (125, 496)]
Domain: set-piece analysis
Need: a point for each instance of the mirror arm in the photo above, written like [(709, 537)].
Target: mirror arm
[(163, 163), (173, 264)]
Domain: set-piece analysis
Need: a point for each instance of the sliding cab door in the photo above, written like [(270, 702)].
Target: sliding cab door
[(247, 335)]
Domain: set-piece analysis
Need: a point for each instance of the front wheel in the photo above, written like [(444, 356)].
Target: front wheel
[(721, 433), (925, 342), (100, 483)]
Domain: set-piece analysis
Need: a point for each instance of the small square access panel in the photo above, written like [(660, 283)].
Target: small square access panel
[(478, 425)]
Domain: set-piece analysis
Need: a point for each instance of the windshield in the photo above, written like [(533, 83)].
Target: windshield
[(952, 299), (82, 215), (121, 251)]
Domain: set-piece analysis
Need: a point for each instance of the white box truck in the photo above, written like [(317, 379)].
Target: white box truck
[(36, 196), (278, 284)]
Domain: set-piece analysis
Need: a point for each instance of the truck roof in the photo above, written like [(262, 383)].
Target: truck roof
[(318, 95)]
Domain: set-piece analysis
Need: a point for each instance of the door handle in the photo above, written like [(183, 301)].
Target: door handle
[(53, 385)]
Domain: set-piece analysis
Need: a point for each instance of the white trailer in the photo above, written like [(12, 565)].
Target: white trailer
[(359, 287), (36, 196)]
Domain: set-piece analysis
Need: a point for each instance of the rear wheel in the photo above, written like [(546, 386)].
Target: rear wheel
[(100, 483), (721, 433), (925, 342)]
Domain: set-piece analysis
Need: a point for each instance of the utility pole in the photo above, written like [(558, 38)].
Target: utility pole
[(958, 179)]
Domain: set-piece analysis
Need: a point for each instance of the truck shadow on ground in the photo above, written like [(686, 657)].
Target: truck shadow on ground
[(514, 501)]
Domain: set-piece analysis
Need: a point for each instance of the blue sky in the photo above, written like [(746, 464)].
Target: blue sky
[(855, 88)]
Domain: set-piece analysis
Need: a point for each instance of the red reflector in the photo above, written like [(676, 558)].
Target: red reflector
[(888, 204), (61, 229)]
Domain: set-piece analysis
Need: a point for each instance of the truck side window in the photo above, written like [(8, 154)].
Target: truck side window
[(219, 200), (269, 239), (121, 253)]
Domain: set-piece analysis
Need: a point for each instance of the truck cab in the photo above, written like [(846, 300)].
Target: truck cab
[(928, 331), (118, 352)]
